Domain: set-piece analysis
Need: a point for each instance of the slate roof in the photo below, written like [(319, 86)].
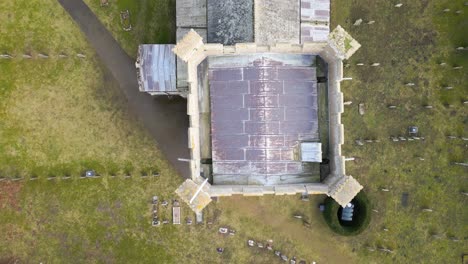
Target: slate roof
[(259, 114)]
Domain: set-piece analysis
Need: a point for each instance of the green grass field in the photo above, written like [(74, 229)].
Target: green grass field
[(61, 116), (153, 21)]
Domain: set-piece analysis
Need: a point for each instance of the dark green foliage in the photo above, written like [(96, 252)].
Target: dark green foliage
[(361, 218)]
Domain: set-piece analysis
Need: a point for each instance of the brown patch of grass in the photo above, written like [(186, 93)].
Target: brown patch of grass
[(9, 194)]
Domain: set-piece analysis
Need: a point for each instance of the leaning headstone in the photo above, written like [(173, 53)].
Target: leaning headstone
[(359, 142), (6, 56), (358, 22)]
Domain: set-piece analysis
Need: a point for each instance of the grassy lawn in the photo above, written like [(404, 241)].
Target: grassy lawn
[(153, 21), (409, 42), (61, 116)]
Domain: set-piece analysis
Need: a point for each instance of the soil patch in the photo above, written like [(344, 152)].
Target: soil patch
[(9, 195)]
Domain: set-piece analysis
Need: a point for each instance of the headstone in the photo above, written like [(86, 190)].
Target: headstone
[(375, 64), (6, 56), (392, 107), (410, 84), (442, 63), (348, 103), (80, 55), (457, 67), (359, 142), (448, 87), (27, 56), (358, 22), (446, 10), (360, 64), (62, 55), (404, 199), (362, 109), (43, 56), (399, 5), (371, 22)]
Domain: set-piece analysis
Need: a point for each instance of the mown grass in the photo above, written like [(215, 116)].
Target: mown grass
[(409, 43), (60, 116), (153, 22)]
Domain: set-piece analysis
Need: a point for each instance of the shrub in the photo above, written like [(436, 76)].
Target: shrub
[(361, 217)]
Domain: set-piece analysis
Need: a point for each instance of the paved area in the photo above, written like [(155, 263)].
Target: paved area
[(166, 120)]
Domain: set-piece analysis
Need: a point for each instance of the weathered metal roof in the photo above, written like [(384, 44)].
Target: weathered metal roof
[(259, 114), (315, 20), (156, 68), (230, 21)]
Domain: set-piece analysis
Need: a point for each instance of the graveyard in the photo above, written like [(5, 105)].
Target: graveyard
[(62, 114)]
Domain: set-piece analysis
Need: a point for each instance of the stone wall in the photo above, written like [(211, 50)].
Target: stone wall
[(195, 53)]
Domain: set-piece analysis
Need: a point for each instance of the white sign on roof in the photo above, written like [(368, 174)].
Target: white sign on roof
[(311, 152)]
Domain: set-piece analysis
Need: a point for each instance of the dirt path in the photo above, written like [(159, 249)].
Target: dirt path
[(166, 120)]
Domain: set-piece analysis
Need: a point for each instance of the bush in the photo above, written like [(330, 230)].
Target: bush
[(361, 217)]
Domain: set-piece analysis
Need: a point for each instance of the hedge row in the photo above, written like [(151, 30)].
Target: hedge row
[(361, 217)]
